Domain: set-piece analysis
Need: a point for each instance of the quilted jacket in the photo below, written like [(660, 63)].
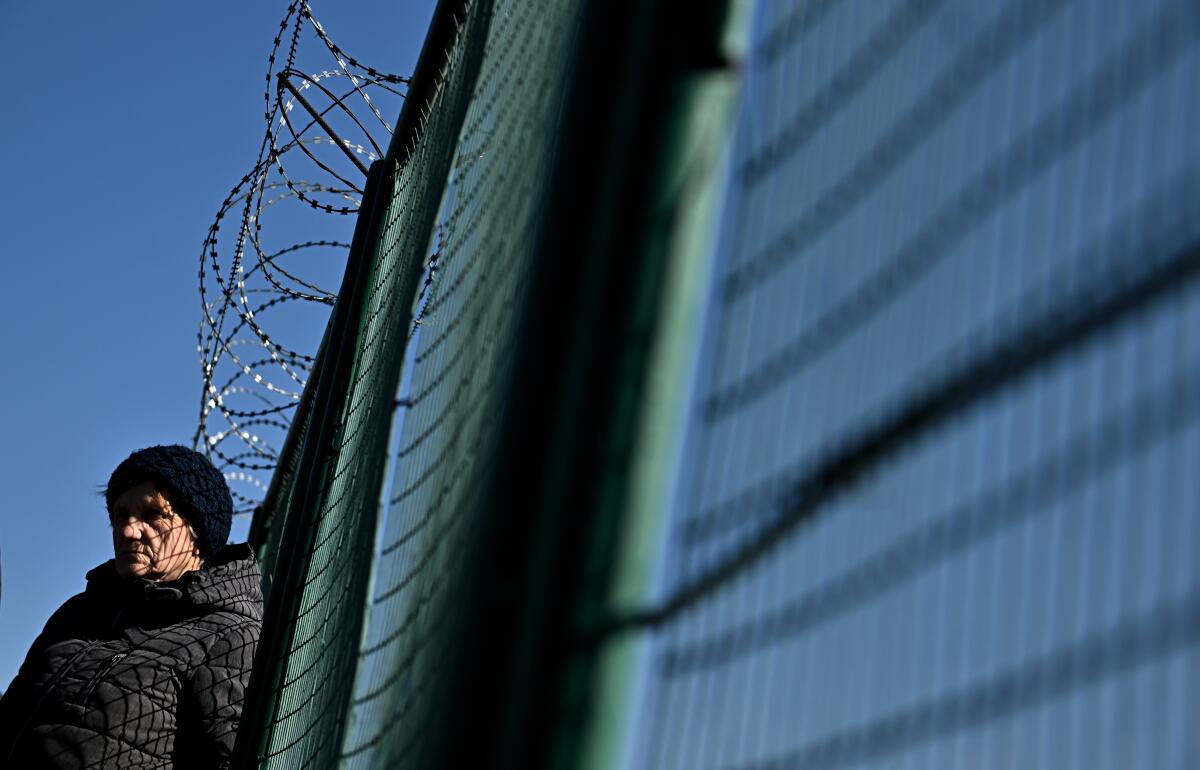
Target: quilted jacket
[(136, 674)]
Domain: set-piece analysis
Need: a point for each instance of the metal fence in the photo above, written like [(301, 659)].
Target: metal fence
[(856, 436), (935, 509)]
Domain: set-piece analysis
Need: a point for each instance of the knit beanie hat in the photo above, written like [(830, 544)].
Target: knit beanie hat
[(191, 482)]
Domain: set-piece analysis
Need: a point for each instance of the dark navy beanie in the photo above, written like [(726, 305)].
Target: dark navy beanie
[(191, 482)]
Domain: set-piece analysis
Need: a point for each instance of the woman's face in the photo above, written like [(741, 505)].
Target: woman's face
[(150, 539)]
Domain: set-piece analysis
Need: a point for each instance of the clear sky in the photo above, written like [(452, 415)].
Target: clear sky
[(123, 127)]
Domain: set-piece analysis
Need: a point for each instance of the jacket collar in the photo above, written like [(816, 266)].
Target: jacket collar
[(228, 581)]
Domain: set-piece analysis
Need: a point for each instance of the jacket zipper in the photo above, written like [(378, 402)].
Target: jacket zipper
[(58, 675), (95, 680), (114, 660)]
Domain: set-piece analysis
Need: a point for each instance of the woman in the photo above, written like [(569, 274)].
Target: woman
[(149, 665)]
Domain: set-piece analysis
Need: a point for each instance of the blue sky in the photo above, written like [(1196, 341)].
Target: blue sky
[(124, 127)]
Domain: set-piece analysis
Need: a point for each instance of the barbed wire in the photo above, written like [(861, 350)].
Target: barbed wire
[(268, 281)]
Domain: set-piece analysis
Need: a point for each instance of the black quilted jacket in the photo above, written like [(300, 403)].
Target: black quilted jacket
[(135, 674)]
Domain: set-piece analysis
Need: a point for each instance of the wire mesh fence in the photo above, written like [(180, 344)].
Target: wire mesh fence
[(934, 509), (325, 542), (461, 351), (433, 290)]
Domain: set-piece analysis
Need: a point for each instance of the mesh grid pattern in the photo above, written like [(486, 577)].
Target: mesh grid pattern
[(936, 508), (319, 660), (467, 314)]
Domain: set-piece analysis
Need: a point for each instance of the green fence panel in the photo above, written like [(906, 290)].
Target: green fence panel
[(462, 351), (890, 472), (325, 514), (931, 511)]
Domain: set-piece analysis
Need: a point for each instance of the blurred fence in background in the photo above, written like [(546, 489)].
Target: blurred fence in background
[(745, 385), (936, 508)]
